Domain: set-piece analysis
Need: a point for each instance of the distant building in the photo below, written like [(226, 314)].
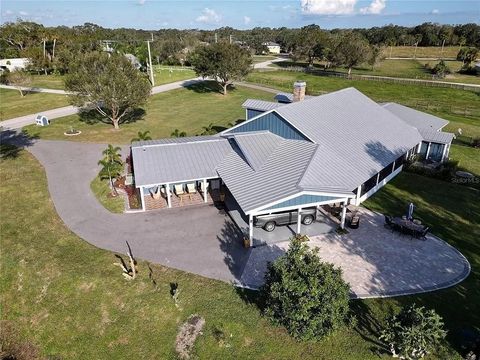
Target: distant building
[(273, 48), (134, 60), (14, 64)]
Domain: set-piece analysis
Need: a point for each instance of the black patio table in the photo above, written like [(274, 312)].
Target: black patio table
[(404, 224)]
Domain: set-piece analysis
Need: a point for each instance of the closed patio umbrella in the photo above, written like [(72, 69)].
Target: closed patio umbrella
[(411, 207)]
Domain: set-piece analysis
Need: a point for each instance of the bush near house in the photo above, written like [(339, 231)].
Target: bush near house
[(304, 294)]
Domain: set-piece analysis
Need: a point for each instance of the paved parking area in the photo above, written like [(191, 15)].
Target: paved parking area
[(203, 239), (375, 261)]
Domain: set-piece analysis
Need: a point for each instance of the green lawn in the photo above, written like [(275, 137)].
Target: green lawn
[(184, 109), (169, 74), (261, 58), (67, 297), (13, 105), (468, 158), (425, 52), (102, 191), (48, 81)]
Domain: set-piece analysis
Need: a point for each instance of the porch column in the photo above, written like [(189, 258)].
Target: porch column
[(299, 221), (205, 190), (378, 177), (142, 198), (169, 200), (393, 166), (444, 152), (428, 150), (359, 194), (250, 229), (344, 213)]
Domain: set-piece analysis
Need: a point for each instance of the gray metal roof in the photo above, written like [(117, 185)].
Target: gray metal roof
[(357, 135), (176, 160), (260, 105), (174, 140), (277, 178), (416, 118), (436, 136), (288, 97), (257, 147)]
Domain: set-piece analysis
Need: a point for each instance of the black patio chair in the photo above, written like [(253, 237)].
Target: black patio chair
[(423, 233), (355, 221), (389, 223)]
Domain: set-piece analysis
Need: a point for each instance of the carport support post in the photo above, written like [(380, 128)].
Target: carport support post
[(142, 198), (344, 214), (250, 229), (205, 190), (169, 200), (299, 220)]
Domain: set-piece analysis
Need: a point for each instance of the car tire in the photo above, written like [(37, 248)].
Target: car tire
[(269, 226), (308, 220)]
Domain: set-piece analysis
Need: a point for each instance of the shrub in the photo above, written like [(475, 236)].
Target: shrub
[(441, 69), (304, 294), (413, 333)]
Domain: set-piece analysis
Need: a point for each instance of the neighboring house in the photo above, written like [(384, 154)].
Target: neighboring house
[(273, 48), (14, 64), (335, 148)]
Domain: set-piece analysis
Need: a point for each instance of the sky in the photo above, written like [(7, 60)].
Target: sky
[(246, 14)]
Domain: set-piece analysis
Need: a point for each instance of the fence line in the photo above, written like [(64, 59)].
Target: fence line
[(395, 80)]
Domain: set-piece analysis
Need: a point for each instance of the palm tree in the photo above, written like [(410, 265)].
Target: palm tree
[(208, 130), (110, 170), (112, 154), (142, 136), (177, 133)]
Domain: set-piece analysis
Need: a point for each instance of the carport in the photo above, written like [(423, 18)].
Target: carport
[(259, 236)]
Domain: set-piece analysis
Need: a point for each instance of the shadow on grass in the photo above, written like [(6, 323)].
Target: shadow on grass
[(368, 327), (92, 117), (208, 86), (12, 141)]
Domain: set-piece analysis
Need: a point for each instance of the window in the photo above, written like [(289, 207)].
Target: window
[(385, 172)]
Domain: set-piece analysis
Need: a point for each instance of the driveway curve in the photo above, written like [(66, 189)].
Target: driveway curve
[(203, 240)]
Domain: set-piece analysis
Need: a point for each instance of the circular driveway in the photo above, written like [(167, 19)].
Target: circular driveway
[(203, 240)]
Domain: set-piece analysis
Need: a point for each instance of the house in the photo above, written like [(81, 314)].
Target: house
[(335, 148), (273, 48), (14, 63)]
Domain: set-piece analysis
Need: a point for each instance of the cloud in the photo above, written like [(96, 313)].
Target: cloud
[(23, 13), (209, 16), (247, 20), (435, 11), (327, 7), (375, 7), (9, 12), (141, 2)]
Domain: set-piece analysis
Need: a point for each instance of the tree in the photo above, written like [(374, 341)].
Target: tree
[(110, 83), (441, 69), (351, 49), (376, 54), (19, 79), (111, 165), (177, 133), (142, 136), (413, 333), (304, 294), (467, 55), (310, 43), (208, 130), (223, 62)]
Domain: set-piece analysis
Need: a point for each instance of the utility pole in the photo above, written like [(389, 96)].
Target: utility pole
[(216, 38), (150, 63), (230, 39)]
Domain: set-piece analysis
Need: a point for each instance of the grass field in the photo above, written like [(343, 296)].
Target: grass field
[(164, 113), (48, 81), (169, 74), (74, 303), (422, 52), (101, 190), (402, 68), (261, 58), (13, 105)]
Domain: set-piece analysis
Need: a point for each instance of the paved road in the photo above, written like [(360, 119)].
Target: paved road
[(36, 89), (21, 121), (266, 64)]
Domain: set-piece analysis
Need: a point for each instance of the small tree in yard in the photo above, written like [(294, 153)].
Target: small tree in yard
[(142, 136), (304, 294), (376, 54), (467, 55), (109, 83), (413, 333), (351, 49), (112, 165), (19, 79), (223, 62), (441, 69)]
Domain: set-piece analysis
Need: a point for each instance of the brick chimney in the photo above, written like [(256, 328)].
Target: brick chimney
[(299, 90)]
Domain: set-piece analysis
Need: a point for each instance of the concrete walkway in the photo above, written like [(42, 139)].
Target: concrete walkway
[(203, 240), (375, 261), (36, 89), (21, 121), (266, 64)]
